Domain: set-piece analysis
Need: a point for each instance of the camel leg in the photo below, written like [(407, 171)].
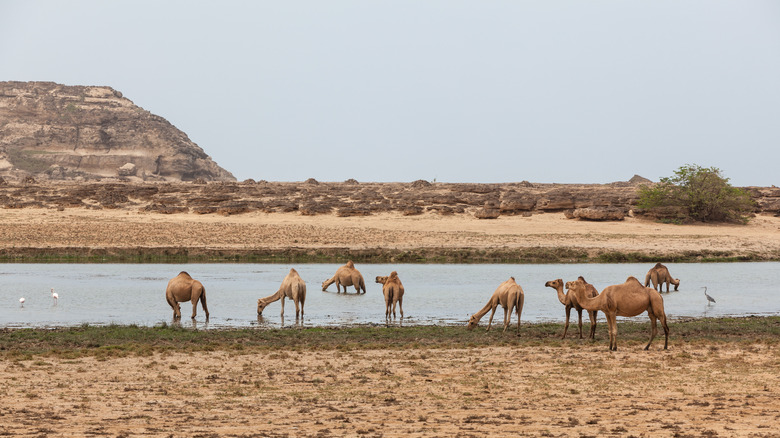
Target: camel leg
[(203, 304), (666, 330), (566, 326), (194, 306), (401, 307), (579, 321), (175, 306), (612, 322), (507, 316), (282, 315), (519, 309), (653, 329), (490, 321), (592, 315), (296, 308)]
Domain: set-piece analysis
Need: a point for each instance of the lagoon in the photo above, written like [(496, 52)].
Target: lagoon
[(100, 294)]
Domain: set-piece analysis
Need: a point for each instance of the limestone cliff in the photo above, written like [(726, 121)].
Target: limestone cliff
[(53, 131)]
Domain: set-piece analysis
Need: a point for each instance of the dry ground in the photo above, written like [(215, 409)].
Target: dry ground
[(572, 389), (47, 228)]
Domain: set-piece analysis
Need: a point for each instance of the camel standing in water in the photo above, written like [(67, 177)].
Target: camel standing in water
[(509, 295), (570, 301), (183, 288), (658, 275), (394, 293), (627, 299), (293, 287), (345, 276)]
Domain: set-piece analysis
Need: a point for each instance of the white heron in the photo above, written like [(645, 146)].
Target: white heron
[(21, 302), (709, 298), (55, 296)]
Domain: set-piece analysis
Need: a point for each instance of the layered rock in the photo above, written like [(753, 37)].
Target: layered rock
[(53, 131)]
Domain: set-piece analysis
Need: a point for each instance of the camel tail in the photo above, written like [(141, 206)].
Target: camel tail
[(363, 285), (647, 279)]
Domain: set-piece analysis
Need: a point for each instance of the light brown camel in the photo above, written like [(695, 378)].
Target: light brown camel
[(658, 275), (627, 299), (345, 276), (394, 293), (183, 288), (293, 287), (570, 301), (508, 295)]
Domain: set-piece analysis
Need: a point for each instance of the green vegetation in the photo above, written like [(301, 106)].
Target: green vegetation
[(699, 194), (374, 255), (119, 341), (25, 160)]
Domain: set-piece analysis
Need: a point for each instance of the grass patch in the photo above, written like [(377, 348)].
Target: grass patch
[(119, 340)]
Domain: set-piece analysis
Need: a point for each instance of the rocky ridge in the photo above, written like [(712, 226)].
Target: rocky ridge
[(56, 132)]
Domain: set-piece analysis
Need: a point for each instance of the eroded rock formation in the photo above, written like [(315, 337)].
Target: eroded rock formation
[(53, 131)]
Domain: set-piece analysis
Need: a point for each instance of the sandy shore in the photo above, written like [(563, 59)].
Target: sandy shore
[(576, 389), (99, 229)]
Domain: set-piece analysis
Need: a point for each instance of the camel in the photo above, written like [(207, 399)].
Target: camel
[(570, 301), (658, 275), (627, 299), (394, 293), (293, 287), (184, 288), (345, 276), (509, 295)]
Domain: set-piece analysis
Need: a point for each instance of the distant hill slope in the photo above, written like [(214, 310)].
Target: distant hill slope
[(53, 131)]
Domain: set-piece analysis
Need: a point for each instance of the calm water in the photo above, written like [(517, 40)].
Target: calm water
[(435, 294)]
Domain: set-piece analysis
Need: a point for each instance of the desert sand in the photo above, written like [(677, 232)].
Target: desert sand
[(83, 228), (573, 388)]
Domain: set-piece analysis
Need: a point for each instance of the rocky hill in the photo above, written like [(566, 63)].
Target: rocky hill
[(53, 131)]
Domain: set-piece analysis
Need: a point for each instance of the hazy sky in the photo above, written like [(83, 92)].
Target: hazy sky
[(457, 91)]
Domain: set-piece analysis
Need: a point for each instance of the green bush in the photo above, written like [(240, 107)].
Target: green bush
[(697, 193)]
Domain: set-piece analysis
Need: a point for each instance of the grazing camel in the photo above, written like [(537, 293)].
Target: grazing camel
[(570, 301), (345, 276), (509, 295), (658, 275), (627, 299), (394, 293), (184, 288), (293, 287)]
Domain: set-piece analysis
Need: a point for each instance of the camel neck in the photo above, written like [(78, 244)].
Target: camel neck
[(561, 295), (484, 310), (275, 297)]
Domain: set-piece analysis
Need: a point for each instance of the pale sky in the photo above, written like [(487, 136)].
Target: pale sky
[(457, 91)]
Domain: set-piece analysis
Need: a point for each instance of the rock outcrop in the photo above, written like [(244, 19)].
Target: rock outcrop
[(53, 131)]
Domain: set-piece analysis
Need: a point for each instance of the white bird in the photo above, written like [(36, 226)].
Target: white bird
[(55, 296), (709, 298), (21, 302)]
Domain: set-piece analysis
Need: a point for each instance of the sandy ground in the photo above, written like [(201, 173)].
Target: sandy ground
[(574, 389), (42, 228)]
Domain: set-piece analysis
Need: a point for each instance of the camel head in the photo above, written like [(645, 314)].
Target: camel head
[(381, 280), (473, 321), (576, 285), (260, 306), (555, 284), (676, 283)]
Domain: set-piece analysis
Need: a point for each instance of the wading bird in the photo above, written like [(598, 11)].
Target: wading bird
[(55, 296), (709, 298), (21, 302)]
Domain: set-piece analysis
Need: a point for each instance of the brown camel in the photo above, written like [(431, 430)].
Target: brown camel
[(183, 288), (345, 276), (627, 299), (658, 275), (293, 287), (394, 293), (508, 295), (570, 301)]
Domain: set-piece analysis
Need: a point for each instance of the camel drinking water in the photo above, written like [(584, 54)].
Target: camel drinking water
[(345, 276), (508, 295), (293, 287), (393, 291), (658, 275), (184, 288), (570, 301), (627, 299)]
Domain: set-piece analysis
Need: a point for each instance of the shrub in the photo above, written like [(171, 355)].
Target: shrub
[(697, 193)]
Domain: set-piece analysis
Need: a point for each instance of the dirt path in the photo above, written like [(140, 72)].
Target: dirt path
[(575, 389)]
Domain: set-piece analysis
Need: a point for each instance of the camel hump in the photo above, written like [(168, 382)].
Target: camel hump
[(350, 264), (658, 266), (632, 279), (293, 271), (394, 274), (582, 278), (184, 273)]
